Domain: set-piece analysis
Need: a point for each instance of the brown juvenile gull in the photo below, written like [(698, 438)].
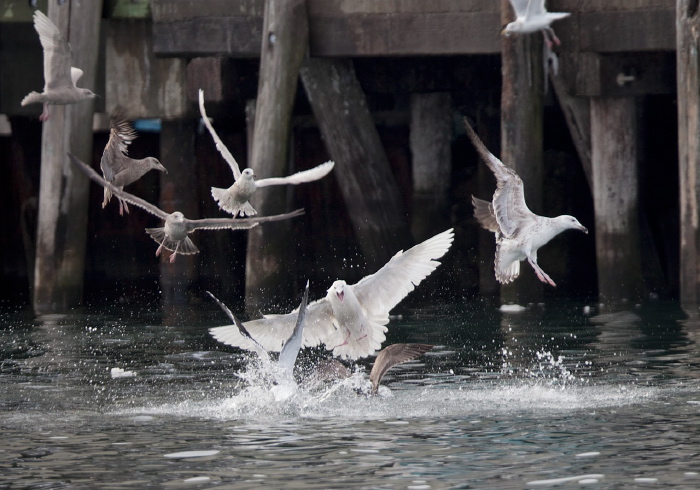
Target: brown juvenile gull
[(351, 320), (59, 77), (392, 355), (519, 231), (118, 169), (532, 16), (235, 199), (173, 235)]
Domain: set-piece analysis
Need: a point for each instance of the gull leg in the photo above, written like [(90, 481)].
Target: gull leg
[(160, 248), (45, 114), (345, 342), (172, 257), (555, 39), (541, 275)]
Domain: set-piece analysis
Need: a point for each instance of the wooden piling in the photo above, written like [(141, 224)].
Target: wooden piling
[(688, 89), (615, 197), (284, 44), (63, 194), (431, 152), (362, 170), (521, 132)]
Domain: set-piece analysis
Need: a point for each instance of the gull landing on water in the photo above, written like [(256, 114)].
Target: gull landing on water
[(59, 77), (235, 199), (519, 231), (532, 16), (173, 234), (351, 320)]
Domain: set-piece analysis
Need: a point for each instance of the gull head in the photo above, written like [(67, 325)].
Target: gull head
[(337, 290), (86, 93), (178, 217), (566, 222), (154, 163), (515, 26), (248, 174)]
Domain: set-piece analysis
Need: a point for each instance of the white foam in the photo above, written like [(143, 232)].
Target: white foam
[(191, 454), (512, 308), (557, 481)]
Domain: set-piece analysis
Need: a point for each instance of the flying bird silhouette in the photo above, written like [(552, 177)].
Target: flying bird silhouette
[(519, 231), (235, 199), (532, 16), (173, 234), (59, 76)]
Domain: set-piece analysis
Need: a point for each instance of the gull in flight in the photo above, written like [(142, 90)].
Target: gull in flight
[(173, 234), (351, 319), (532, 16), (392, 355), (519, 231), (59, 77), (118, 169), (235, 199)]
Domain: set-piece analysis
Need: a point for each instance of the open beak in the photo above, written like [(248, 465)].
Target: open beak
[(340, 295)]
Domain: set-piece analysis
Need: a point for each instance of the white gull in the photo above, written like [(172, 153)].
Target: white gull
[(519, 231), (235, 199), (532, 16)]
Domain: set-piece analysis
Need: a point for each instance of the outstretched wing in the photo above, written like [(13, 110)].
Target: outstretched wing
[(509, 198), (381, 291), (233, 223), (217, 141), (121, 134), (288, 354), (535, 8), (483, 211), (57, 54), (299, 177), (392, 355), (521, 6), (130, 198), (273, 331)]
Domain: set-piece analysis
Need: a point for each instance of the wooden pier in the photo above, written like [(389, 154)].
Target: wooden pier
[(383, 86)]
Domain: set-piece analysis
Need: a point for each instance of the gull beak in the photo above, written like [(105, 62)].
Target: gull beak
[(340, 295), (584, 229)]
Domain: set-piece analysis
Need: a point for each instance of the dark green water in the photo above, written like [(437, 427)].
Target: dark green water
[(608, 398)]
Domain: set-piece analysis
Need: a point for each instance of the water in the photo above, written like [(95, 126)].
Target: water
[(554, 395)]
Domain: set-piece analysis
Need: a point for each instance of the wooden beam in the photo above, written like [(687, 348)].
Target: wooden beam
[(521, 132), (361, 168), (431, 151), (688, 66), (63, 194), (615, 197), (268, 270)]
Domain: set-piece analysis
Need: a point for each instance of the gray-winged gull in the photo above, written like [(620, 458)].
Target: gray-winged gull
[(519, 231), (59, 76), (118, 169), (173, 235), (532, 16), (235, 199), (392, 355), (351, 319)]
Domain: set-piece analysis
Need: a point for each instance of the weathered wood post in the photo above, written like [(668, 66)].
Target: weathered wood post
[(284, 44), (615, 196), (177, 193), (521, 131), (688, 81), (63, 194), (369, 188), (431, 151)]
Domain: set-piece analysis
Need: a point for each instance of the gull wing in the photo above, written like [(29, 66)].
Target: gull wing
[(535, 8), (217, 141), (508, 203), (392, 355), (273, 331), (233, 223), (290, 351), (57, 53), (236, 322), (380, 292), (299, 177), (75, 75), (483, 211), (130, 198), (521, 6), (121, 134)]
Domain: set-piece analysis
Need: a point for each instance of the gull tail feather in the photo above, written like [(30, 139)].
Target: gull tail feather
[(33, 98), (228, 203), (184, 247)]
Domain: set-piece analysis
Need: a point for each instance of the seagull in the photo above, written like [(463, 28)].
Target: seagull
[(532, 16), (118, 169), (235, 199), (519, 231), (173, 235), (351, 319), (59, 77), (292, 346), (392, 355)]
